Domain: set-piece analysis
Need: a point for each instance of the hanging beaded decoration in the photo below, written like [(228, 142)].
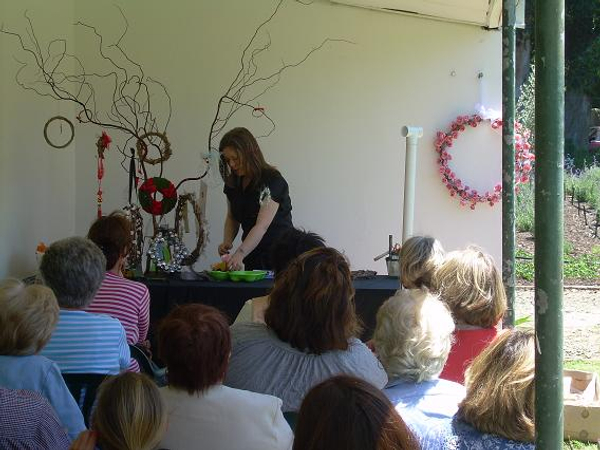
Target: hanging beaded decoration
[(102, 145), (167, 251)]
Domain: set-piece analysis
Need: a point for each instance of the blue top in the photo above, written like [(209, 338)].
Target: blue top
[(39, 374), (437, 398), (454, 434), (83, 342)]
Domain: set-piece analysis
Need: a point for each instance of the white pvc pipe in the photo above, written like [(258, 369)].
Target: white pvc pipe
[(412, 135)]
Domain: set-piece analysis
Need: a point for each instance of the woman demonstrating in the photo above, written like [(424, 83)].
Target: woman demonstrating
[(257, 199)]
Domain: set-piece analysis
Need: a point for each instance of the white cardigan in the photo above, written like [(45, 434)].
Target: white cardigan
[(224, 418)]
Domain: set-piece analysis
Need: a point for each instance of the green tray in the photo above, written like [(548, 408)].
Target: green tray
[(247, 275), (219, 275)]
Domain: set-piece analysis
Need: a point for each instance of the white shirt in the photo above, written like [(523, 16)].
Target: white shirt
[(224, 418)]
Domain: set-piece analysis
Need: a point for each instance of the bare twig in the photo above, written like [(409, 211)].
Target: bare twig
[(54, 72)]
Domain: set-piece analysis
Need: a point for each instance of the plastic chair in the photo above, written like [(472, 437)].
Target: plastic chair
[(83, 387), (147, 366)]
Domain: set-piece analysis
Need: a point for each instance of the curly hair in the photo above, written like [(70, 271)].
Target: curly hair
[(74, 269), (413, 335), (420, 257), (500, 387), (28, 315), (471, 284)]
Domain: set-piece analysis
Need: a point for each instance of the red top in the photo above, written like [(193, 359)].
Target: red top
[(467, 345), (127, 301)]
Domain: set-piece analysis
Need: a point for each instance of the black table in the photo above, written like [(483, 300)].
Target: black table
[(229, 297)]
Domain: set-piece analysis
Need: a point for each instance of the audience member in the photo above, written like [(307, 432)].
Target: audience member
[(27, 421), (309, 335), (420, 257), (130, 415), (82, 342), (195, 343), (346, 413), (412, 339), (125, 300), (291, 244), (471, 286), (499, 409), (28, 314)]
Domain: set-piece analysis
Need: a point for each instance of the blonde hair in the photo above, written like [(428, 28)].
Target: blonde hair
[(130, 413), (471, 285), (420, 257), (501, 387), (413, 335), (28, 315)]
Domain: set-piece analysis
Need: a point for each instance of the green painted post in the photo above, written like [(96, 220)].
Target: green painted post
[(549, 148), (508, 157)]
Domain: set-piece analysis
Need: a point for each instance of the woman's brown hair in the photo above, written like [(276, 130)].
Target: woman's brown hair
[(312, 303), (112, 234), (195, 342), (501, 387), (244, 143), (346, 413)]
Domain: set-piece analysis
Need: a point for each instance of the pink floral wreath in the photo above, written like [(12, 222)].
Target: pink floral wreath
[(466, 195)]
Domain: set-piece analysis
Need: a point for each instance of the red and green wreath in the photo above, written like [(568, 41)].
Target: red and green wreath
[(457, 188), (147, 196)]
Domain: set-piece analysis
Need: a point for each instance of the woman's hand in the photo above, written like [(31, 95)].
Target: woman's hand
[(236, 261), (224, 248), (85, 441)]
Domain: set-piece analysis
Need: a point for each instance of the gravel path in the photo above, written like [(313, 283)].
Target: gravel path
[(581, 320)]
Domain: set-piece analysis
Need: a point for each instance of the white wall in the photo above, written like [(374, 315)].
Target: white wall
[(37, 182), (338, 116)]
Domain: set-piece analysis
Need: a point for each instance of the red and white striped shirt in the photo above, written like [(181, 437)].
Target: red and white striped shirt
[(129, 302)]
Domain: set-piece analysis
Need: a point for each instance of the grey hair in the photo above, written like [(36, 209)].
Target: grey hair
[(413, 335), (420, 257), (74, 269)]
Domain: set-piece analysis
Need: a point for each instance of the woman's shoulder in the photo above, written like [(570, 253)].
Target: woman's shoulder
[(250, 399), (465, 437)]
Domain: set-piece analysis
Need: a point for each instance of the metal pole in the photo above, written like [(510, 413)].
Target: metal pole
[(412, 135), (508, 157), (549, 140)]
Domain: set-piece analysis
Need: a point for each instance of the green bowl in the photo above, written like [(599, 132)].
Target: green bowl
[(247, 275), (219, 275)]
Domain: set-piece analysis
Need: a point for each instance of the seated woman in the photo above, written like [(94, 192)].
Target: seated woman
[(125, 300), (28, 315), (130, 415), (499, 409), (288, 246), (309, 335), (27, 420), (82, 342), (420, 257), (412, 339), (346, 413), (195, 343), (471, 286)]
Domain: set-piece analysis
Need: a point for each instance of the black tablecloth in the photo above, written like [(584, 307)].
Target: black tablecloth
[(229, 297)]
